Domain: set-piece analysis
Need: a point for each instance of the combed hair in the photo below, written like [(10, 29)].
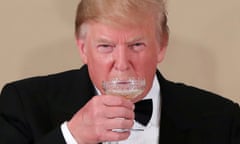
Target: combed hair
[(120, 11)]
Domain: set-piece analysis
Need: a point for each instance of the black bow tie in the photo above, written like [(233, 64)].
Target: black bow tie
[(143, 111)]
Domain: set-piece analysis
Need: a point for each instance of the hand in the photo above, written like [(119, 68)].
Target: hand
[(94, 122)]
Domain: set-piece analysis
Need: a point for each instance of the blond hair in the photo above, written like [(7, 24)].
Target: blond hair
[(120, 11)]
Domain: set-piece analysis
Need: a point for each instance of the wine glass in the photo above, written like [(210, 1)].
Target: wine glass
[(128, 88)]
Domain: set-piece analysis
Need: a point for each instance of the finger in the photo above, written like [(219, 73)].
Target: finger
[(118, 112), (115, 136), (109, 100), (118, 123)]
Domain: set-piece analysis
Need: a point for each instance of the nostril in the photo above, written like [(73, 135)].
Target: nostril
[(121, 67)]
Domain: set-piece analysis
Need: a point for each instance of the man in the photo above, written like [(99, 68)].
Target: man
[(116, 38)]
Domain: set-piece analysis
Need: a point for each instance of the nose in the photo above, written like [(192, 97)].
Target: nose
[(122, 59)]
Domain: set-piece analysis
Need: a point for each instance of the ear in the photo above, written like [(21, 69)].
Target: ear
[(82, 49), (163, 47)]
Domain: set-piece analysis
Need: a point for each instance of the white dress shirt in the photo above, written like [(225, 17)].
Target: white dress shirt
[(151, 131)]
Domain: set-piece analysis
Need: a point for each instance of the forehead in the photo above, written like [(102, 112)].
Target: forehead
[(102, 30)]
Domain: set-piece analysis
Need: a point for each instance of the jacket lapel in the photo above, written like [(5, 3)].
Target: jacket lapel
[(181, 114), (169, 130)]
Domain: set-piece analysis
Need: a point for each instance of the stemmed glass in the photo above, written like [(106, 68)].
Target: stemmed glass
[(128, 88)]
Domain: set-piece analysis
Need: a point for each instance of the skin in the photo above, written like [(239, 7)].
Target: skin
[(115, 51)]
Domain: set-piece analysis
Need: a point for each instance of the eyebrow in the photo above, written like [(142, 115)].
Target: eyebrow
[(106, 40), (140, 38)]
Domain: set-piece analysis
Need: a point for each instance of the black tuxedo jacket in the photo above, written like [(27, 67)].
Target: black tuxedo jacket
[(32, 110)]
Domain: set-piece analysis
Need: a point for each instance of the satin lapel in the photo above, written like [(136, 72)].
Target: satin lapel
[(169, 132)]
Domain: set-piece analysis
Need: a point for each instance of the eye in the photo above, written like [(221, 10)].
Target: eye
[(138, 46), (105, 48)]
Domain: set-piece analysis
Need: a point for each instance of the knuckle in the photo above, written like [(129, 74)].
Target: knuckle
[(122, 111), (127, 123), (98, 134), (101, 136), (96, 108), (121, 122), (121, 101)]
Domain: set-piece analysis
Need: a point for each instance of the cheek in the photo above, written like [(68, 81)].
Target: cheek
[(99, 68), (98, 60), (97, 73), (151, 58), (146, 65), (98, 64), (147, 69), (150, 66)]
